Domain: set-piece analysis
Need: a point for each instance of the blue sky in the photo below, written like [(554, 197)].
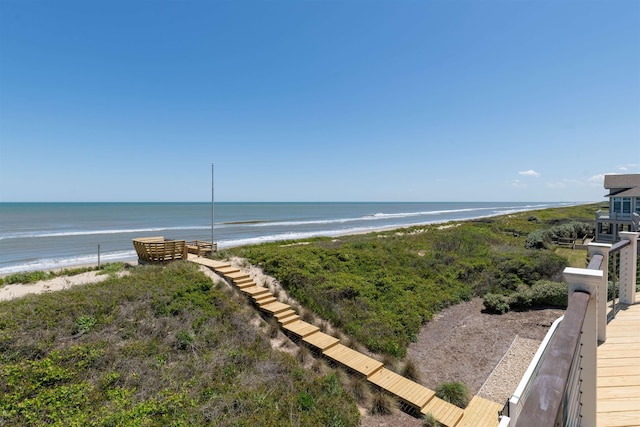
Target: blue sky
[(476, 100)]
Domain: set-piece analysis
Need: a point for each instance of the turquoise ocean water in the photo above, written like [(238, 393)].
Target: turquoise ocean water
[(35, 236)]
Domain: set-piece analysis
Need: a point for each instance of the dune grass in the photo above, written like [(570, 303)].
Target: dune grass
[(382, 287), (160, 346)]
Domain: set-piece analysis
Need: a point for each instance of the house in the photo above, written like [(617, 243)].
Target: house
[(624, 208)]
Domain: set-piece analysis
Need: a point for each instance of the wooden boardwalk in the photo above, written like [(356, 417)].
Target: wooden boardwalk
[(413, 396), (618, 390)]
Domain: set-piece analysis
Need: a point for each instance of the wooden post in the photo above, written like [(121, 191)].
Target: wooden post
[(602, 249), (98, 256), (586, 280), (628, 268)]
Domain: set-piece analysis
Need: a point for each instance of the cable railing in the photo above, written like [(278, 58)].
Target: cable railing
[(559, 387)]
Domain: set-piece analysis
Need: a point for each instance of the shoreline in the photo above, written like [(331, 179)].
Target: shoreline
[(328, 233)]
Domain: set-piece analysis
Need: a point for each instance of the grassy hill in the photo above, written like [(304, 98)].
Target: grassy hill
[(382, 287), (161, 346)]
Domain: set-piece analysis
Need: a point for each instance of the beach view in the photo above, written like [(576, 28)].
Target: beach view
[(319, 213)]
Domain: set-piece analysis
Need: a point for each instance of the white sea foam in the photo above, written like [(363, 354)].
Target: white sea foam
[(40, 234), (54, 263)]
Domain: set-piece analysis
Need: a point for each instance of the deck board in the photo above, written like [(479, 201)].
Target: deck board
[(618, 371), (321, 341), (444, 412), (352, 359), (275, 307), (480, 413), (300, 328), (410, 392)]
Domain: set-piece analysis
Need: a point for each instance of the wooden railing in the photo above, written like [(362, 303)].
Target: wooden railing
[(159, 249), (559, 388)]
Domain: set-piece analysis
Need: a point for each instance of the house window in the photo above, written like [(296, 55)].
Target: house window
[(626, 205), (617, 205)]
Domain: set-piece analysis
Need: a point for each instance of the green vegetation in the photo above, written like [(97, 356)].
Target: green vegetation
[(36, 276), (543, 238), (543, 293), (455, 393), (380, 288), (429, 420), (160, 346)]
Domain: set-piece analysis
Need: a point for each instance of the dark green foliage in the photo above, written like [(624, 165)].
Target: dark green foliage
[(455, 393), (543, 293), (496, 303), (160, 346), (380, 288)]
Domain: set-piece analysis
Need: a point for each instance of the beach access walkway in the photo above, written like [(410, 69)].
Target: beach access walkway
[(414, 397)]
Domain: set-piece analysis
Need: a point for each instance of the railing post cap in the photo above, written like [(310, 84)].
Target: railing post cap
[(599, 248), (629, 235), (583, 279)]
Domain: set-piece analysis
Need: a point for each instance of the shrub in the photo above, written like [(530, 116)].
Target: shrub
[(428, 420), (84, 324), (496, 303), (382, 404), (27, 277), (455, 393), (545, 293), (410, 370)]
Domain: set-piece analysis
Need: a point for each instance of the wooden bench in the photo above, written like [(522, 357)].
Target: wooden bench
[(201, 248), (159, 249)]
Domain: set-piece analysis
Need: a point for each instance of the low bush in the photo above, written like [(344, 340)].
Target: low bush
[(496, 303), (382, 404), (429, 420), (543, 293), (543, 238), (455, 393)]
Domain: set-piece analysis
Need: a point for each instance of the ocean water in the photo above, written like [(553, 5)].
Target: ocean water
[(36, 236)]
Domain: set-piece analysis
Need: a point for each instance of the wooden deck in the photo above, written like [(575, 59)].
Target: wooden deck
[(618, 391), (420, 399)]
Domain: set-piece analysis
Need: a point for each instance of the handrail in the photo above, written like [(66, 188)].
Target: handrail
[(596, 262), (545, 402), (619, 245)]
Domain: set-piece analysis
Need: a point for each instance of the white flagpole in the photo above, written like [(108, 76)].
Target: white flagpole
[(212, 216)]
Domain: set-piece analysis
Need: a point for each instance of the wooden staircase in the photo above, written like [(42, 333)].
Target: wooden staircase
[(414, 397)]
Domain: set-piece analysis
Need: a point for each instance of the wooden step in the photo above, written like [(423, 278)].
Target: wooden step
[(480, 413), (227, 269), (300, 328), (287, 316), (255, 291), (243, 285), (262, 297), (243, 281), (266, 301), (444, 412), (321, 341), (353, 360), (408, 391), (237, 275), (275, 307), (288, 319)]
